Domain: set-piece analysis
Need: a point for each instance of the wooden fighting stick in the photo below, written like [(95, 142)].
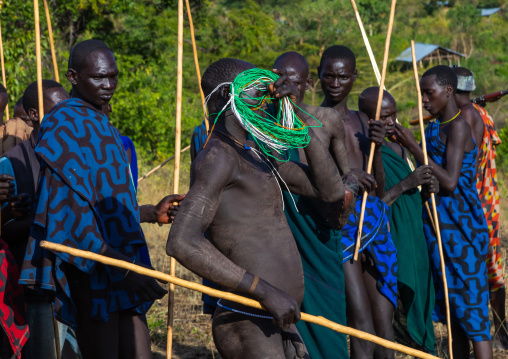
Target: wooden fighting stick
[(196, 62), (433, 200), (51, 41), (378, 113), (230, 296), (3, 65), (176, 176)]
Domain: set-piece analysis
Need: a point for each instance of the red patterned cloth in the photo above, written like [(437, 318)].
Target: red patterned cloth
[(489, 196), (12, 304)]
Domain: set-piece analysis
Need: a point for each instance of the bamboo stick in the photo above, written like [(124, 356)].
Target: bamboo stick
[(230, 296), (51, 41), (196, 62), (3, 65), (176, 175), (378, 113), (433, 200), (161, 165)]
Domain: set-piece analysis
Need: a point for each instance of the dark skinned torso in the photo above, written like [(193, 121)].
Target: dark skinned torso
[(269, 250)]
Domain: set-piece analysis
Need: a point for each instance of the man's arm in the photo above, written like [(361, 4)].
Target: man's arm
[(448, 176), (377, 134), (163, 213), (320, 179), (421, 176), (211, 173), (338, 144)]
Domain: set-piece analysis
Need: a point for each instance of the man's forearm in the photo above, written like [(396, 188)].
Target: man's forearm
[(379, 172), (147, 213)]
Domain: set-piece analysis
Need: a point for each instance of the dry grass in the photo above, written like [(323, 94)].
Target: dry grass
[(192, 330)]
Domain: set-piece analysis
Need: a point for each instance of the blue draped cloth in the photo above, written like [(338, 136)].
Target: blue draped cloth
[(86, 198), (465, 238)]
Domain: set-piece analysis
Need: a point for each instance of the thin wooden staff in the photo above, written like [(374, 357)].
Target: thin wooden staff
[(378, 113), (160, 166), (3, 65), (176, 175), (230, 296), (196, 62), (41, 115), (51, 41), (433, 200)]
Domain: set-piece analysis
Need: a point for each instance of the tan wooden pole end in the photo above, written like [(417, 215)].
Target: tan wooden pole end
[(378, 112), (3, 66), (433, 200), (51, 41), (231, 297)]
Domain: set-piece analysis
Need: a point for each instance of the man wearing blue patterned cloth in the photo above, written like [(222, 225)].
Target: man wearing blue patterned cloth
[(86, 199)]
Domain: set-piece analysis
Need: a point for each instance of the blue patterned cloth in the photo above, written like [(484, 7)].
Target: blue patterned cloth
[(376, 240), (86, 198), (465, 237)]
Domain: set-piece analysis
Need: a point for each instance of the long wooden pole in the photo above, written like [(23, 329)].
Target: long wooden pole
[(196, 62), (3, 65), (433, 200), (51, 41), (41, 115), (176, 176), (230, 296), (378, 113)]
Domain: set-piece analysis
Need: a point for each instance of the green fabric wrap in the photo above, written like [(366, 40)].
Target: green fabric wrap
[(321, 253), (414, 277)]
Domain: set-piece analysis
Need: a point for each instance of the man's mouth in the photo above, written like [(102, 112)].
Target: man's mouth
[(335, 93), (106, 97)]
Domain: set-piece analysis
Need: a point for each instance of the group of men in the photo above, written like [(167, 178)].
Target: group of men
[(72, 183)]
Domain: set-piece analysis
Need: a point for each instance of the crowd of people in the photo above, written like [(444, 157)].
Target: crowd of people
[(280, 229)]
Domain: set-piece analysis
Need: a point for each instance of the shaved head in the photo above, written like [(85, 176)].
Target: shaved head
[(297, 68), (367, 103)]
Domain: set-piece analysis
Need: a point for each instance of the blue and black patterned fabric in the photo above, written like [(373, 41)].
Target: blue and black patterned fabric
[(86, 198), (376, 240), (465, 238)]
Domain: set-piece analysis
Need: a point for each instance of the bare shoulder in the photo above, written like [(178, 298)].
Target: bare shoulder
[(327, 116), (217, 162), (460, 127)]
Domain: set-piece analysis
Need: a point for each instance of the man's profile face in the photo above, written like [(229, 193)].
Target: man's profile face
[(51, 98), (3, 101), (96, 81), (20, 112), (337, 78), (434, 96)]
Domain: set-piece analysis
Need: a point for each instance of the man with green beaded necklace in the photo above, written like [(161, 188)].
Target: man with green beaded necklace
[(235, 198)]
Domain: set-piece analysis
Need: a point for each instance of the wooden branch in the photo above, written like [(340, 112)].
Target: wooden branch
[(51, 41), (176, 175), (231, 297), (38, 59), (160, 166), (433, 200), (3, 68), (378, 113), (196, 62)]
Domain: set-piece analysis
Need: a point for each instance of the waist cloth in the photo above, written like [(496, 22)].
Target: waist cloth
[(414, 277), (465, 240), (376, 240)]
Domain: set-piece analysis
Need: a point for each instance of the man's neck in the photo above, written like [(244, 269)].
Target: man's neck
[(230, 124), (462, 100), (449, 111), (340, 106)]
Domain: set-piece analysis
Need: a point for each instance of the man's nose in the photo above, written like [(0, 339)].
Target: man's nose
[(335, 82), (109, 84)]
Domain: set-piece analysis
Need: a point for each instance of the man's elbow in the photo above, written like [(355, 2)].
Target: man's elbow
[(332, 196)]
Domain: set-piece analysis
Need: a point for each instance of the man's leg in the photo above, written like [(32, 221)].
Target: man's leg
[(240, 336), (358, 310), (482, 350), (134, 336), (41, 343), (382, 311), (497, 303)]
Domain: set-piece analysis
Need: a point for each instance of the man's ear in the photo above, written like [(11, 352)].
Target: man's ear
[(355, 75), (224, 92), (309, 83), (449, 90), (72, 76), (33, 114)]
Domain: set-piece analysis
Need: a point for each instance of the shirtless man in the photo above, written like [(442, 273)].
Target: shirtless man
[(368, 308), (249, 248), (3, 102), (452, 154)]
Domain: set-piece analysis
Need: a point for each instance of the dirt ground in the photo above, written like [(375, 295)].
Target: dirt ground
[(192, 336)]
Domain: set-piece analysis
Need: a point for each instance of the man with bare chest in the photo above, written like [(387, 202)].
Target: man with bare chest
[(371, 283), (236, 199)]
